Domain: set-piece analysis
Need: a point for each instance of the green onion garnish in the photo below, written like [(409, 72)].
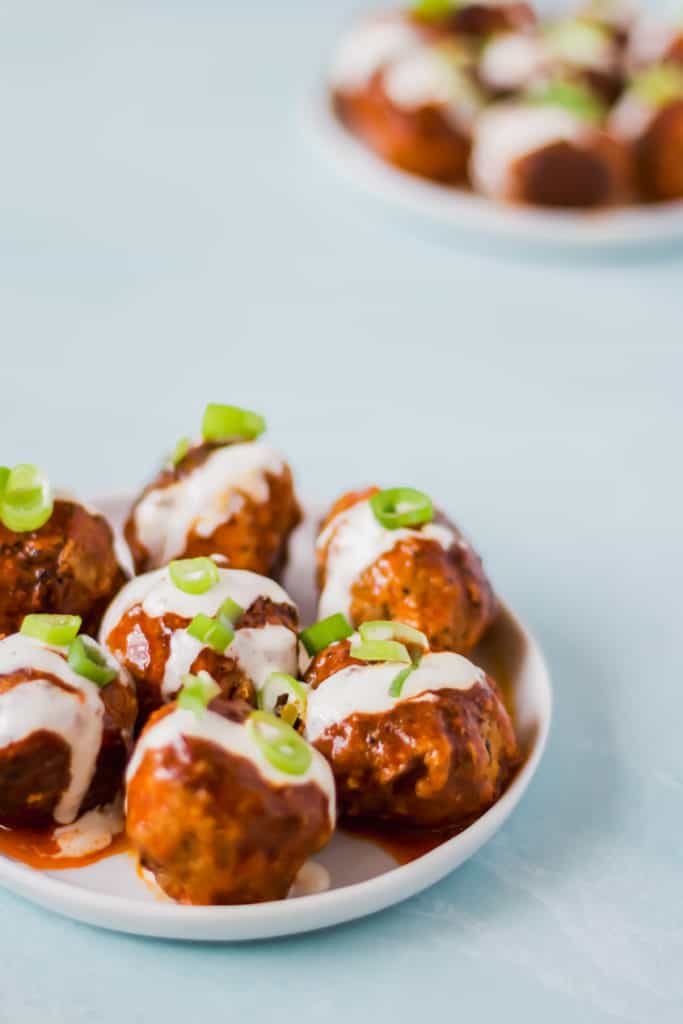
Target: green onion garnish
[(433, 9), (194, 575), (398, 681), (197, 692), (571, 96), (58, 630), (380, 650), (4, 477), (383, 630), (86, 658), (230, 612), (279, 743), (659, 85), (577, 41), (284, 696), (211, 632), (26, 499), (401, 506), (229, 422), (316, 638), (180, 451)]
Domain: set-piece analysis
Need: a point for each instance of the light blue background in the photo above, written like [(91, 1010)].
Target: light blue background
[(168, 237)]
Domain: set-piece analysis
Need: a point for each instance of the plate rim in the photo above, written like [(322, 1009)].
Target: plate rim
[(454, 209), (304, 913)]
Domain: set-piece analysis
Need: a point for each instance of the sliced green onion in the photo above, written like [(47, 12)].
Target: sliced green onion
[(401, 506), (316, 638), (384, 630), (197, 692), (230, 612), (227, 422), (433, 9), (572, 96), (279, 743), (180, 451), (284, 696), (211, 632), (659, 84), (58, 630), (398, 681), (86, 658), (4, 477), (26, 499), (380, 650), (193, 575)]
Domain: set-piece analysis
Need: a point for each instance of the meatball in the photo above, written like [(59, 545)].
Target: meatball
[(436, 754), (64, 741), (547, 156), (408, 95), (649, 117), (485, 19), (234, 500), (212, 817), (146, 629), (67, 566), (427, 576)]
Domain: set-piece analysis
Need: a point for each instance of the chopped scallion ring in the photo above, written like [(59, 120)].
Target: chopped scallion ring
[(212, 632), (194, 575), (284, 696), (398, 681), (25, 499), (58, 630), (380, 650), (279, 743), (86, 658), (4, 477), (180, 451), (197, 692), (400, 507), (319, 636), (433, 9), (229, 422), (230, 612), (384, 630)]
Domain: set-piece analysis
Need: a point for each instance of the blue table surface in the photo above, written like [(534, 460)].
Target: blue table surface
[(169, 236)]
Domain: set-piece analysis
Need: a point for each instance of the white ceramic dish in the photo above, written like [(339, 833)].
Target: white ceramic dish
[(459, 211), (363, 877)]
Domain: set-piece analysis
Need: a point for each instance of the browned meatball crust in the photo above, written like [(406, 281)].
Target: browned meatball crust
[(434, 764), (68, 566), (35, 771), (422, 141), (254, 538), (444, 593), (212, 830), (142, 645), (659, 155), (563, 174)]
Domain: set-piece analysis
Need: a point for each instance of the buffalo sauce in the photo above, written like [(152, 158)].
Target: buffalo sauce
[(41, 850)]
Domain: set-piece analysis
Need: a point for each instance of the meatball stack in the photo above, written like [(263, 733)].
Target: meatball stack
[(578, 111), (249, 731)]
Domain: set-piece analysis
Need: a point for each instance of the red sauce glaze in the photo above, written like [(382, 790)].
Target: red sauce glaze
[(404, 845), (40, 849)]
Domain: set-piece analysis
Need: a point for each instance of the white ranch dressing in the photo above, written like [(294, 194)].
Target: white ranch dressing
[(426, 77), (76, 715), (507, 132), (512, 60), (235, 738), (369, 46), (258, 651), (649, 41), (364, 689), (631, 117), (204, 499), (93, 831), (356, 539)]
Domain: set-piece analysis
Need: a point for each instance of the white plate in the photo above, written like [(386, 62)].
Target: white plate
[(363, 877), (459, 211)]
